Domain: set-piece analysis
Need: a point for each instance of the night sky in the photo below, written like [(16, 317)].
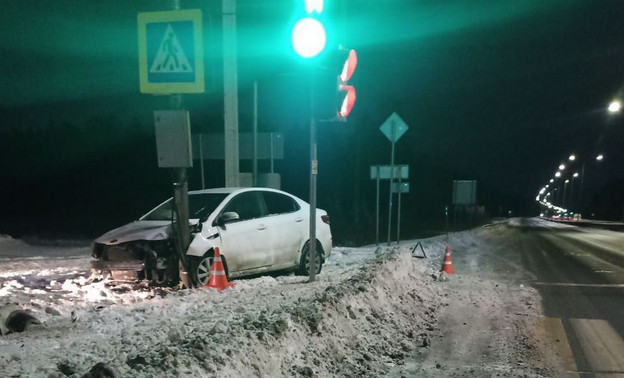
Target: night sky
[(495, 91)]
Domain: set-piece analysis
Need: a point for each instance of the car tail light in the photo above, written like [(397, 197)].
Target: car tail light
[(325, 218)]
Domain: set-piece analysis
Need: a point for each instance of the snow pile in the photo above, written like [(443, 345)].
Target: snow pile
[(373, 311), (369, 308)]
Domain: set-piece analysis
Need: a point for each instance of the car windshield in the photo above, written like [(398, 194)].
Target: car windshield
[(200, 205)]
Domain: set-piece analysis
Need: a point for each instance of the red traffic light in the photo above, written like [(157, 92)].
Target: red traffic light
[(347, 103), (343, 78), (349, 66)]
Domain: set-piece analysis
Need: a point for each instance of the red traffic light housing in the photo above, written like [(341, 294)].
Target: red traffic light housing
[(349, 91)]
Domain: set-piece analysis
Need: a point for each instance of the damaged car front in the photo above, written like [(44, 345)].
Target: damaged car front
[(146, 249), (140, 250)]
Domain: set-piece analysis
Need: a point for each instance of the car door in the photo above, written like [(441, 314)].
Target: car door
[(287, 225), (246, 239)]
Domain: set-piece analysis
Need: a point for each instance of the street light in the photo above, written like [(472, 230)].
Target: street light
[(615, 106)]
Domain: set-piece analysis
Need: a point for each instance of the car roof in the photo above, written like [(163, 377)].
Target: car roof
[(230, 190)]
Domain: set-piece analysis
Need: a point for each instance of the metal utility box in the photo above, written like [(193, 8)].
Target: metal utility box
[(464, 192), (173, 138)]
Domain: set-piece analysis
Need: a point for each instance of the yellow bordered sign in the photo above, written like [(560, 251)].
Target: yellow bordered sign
[(171, 54)]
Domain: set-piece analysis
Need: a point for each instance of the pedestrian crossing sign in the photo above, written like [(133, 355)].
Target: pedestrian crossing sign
[(171, 52)]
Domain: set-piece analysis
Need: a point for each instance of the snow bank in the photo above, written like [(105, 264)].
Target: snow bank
[(371, 310), (368, 308)]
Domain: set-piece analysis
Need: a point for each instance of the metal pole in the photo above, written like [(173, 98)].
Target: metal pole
[(180, 198), (313, 173), (391, 179), (255, 133), (377, 211), (272, 159), (580, 195), (201, 161), (572, 201), (399, 208), (447, 223), (180, 194), (230, 94)]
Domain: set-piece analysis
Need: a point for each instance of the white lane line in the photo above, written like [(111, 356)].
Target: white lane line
[(553, 342), (571, 284), (602, 345)]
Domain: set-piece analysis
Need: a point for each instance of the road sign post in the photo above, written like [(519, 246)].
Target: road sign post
[(171, 62), (385, 172), (393, 129)]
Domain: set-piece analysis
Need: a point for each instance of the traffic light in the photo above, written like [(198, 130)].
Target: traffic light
[(308, 35), (346, 92)]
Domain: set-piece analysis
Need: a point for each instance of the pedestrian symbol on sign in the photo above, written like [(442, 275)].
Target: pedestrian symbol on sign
[(170, 57)]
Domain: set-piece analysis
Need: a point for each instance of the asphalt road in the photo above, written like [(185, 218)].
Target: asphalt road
[(579, 273)]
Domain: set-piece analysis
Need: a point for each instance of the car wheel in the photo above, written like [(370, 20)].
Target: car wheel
[(304, 264), (201, 267), (200, 270)]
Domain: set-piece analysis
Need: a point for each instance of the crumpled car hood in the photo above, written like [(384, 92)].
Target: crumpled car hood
[(139, 230)]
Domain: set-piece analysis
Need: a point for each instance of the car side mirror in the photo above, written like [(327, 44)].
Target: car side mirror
[(195, 228), (227, 217)]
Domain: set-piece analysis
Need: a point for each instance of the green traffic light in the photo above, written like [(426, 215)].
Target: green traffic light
[(308, 37)]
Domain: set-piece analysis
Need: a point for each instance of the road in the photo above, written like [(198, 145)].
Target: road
[(491, 321), (579, 273)]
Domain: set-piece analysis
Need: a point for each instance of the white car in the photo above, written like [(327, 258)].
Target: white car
[(257, 230)]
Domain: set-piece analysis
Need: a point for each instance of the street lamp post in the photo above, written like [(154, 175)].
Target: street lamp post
[(573, 202), (580, 195)]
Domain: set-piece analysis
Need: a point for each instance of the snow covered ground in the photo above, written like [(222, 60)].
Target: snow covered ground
[(371, 312)]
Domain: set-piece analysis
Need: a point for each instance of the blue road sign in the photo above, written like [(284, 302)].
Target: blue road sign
[(171, 52)]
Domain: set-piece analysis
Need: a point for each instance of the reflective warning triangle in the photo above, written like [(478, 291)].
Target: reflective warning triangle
[(170, 57)]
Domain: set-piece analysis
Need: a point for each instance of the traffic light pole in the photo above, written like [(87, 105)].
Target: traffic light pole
[(313, 174)]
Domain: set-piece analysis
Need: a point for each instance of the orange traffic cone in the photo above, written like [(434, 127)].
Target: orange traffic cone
[(447, 265), (218, 280)]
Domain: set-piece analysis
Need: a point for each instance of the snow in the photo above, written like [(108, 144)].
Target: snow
[(369, 311)]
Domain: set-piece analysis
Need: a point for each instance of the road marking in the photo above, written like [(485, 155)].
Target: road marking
[(579, 254), (601, 344), (552, 340), (571, 284)]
